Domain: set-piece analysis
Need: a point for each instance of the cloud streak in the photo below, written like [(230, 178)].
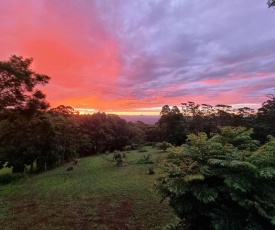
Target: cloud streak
[(127, 55)]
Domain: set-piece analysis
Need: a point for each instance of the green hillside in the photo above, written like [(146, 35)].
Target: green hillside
[(95, 195)]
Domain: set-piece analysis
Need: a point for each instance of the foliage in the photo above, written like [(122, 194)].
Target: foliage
[(264, 123), (271, 3), (172, 124), (179, 225), (10, 177), (153, 144), (47, 140), (137, 133), (17, 85), (145, 159), (63, 110), (127, 148), (106, 132), (118, 158), (175, 125), (163, 145), (142, 150), (151, 171), (222, 182)]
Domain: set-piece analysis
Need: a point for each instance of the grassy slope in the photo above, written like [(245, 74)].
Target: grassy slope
[(95, 195)]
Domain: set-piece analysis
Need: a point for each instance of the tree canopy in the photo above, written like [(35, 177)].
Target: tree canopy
[(271, 3), (18, 85), (222, 182)]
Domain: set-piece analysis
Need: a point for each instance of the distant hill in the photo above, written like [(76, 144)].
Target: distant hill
[(143, 118)]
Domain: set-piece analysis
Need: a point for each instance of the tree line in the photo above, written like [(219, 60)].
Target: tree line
[(33, 133), (176, 124)]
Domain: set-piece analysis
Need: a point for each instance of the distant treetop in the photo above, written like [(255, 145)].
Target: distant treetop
[(271, 3)]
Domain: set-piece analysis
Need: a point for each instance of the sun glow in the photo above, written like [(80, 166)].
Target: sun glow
[(137, 112)]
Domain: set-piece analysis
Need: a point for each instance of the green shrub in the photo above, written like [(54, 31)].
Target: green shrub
[(151, 171), (127, 148), (153, 144), (145, 159), (222, 182), (10, 178), (142, 150), (163, 146), (118, 157)]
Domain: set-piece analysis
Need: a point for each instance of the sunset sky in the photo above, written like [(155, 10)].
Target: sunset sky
[(134, 56)]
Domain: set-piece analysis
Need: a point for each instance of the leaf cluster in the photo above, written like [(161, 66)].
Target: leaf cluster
[(18, 85), (222, 182)]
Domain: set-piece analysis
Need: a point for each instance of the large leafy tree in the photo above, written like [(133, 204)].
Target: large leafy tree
[(18, 85), (23, 132), (106, 132), (172, 125), (43, 138), (195, 118), (222, 182), (264, 122), (63, 110), (137, 133), (23, 140)]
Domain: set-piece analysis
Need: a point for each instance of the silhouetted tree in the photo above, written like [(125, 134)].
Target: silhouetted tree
[(63, 110), (17, 85), (264, 123), (271, 3), (172, 125)]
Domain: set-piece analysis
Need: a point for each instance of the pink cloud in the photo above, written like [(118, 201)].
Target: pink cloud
[(115, 57)]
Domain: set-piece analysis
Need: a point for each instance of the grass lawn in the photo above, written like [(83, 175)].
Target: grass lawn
[(5, 170), (95, 195)]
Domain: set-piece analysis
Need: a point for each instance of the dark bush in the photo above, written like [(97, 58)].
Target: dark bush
[(153, 144), (142, 150), (151, 171), (145, 160), (10, 178)]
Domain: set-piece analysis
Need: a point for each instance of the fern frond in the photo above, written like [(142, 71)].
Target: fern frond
[(205, 194), (193, 177), (273, 220), (175, 172), (193, 165), (242, 165), (258, 207), (237, 184), (218, 162), (267, 173), (177, 186)]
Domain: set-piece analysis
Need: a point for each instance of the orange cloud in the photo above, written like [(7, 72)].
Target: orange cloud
[(83, 65)]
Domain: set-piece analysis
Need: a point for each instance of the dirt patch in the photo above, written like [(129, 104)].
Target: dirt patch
[(24, 205), (117, 215)]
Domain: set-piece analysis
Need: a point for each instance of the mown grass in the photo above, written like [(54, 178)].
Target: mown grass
[(95, 195), (5, 170)]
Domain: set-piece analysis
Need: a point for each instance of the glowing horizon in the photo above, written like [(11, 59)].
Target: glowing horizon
[(155, 111), (108, 56)]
